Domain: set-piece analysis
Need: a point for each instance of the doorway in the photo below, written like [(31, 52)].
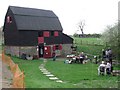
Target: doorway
[(41, 50)]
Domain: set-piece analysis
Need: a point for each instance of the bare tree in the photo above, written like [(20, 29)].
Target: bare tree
[(81, 26)]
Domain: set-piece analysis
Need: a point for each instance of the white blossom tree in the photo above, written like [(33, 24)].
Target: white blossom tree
[(111, 36)]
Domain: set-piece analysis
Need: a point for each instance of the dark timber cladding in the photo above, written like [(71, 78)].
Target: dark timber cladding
[(22, 26), (34, 32)]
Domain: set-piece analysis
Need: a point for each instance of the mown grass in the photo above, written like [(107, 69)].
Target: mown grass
[(74, 75), (33, 76), (81, 75)]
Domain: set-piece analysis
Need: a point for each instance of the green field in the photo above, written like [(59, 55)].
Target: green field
[(90, 41), (92, 46)]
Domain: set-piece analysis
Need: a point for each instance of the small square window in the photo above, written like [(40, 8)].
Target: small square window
[(46, 34), (52, 33), (9, 19), (56, 33)]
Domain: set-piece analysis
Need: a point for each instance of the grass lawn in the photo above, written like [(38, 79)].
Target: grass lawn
[(74, 75), (82, 75), (33, 76)]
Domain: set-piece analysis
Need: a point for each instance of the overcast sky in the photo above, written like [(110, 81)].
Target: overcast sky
[(97, 14)]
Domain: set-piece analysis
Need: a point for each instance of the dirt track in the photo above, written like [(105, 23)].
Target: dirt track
[(5, 76)]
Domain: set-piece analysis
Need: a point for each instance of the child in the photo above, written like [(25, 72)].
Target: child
[(54, 56)]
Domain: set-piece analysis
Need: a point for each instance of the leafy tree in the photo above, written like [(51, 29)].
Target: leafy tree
[(111, 37)]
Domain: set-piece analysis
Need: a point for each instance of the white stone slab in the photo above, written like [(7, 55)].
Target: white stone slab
[(49, 75), (41, 68), (53, 78), (60, 81), (44, 71)]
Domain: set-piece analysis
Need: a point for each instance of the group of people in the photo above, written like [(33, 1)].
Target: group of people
[(77, 58), (107, 55), (105, 68)]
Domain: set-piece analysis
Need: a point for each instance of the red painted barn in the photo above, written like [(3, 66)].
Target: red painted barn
[(34, 32)]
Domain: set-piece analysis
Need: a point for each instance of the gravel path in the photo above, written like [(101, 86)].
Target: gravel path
[(5, 76)]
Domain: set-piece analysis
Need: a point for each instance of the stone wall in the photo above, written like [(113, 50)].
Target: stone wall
[(32, 50), (29, 50), (12, 50), (66, 49), (18, 51)]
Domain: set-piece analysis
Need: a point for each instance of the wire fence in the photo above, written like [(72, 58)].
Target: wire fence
[(18, 75)]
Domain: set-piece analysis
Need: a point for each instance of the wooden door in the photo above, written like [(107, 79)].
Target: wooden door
[(47, 52)]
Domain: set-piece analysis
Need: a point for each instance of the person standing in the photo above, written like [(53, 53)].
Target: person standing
[(107, 55), (54, 56), (108, 68), (110, 56), (103, 54)]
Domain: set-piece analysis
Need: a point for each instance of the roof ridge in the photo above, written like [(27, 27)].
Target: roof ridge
[(34, 16), (32, 11), (30, 8)]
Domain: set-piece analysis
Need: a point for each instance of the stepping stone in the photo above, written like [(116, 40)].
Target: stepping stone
[(50, 75), (43, 69), (53, 78), (41, 66), (74, 84), (60, 81), (45, 61), (46, 73)]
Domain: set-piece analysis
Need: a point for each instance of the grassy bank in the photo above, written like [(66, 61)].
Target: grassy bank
[(92, 46)]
